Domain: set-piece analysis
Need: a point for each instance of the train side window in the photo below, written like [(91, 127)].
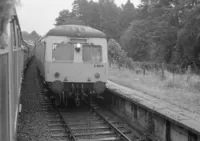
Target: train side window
[(18, 37), (14, 34), (44, 44)]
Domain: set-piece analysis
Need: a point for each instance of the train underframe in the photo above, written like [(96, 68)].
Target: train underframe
[(62, 92)]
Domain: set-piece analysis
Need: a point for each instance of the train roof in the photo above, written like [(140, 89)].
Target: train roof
[(76, 31)]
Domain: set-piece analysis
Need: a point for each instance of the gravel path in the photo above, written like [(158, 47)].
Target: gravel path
[(32, 125)]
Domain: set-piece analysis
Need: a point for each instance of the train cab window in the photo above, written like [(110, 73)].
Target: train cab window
[(63, 52), (92, 53)]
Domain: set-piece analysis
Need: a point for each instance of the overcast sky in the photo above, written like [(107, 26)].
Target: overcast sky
[(40, 15)]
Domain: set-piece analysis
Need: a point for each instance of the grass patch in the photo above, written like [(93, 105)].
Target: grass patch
[(182, 90)]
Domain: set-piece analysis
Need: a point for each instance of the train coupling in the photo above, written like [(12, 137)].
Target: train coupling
[(77, 101), (99, 96)]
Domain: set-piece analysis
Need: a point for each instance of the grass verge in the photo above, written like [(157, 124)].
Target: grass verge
[(182, 90)]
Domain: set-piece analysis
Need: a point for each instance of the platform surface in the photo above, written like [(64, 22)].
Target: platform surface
[(185, 118)]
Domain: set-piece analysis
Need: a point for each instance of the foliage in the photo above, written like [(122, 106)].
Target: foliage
[(115, 52), (103, 15), (188, 39), (33, 36), (156, 31), (127, 15), (5, 12), (66, 17)]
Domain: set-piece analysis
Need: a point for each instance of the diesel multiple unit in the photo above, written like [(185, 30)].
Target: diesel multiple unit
[(73, 61)]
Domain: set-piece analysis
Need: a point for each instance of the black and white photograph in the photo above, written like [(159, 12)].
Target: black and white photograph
[(99, 70)]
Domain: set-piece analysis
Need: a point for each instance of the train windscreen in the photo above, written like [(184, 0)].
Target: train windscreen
[(63, 52), (92, 53)]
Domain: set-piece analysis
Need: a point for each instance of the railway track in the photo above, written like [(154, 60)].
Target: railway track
[(88, 123)]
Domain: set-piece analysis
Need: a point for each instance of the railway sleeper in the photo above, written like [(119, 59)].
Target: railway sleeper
[(96, 136), (104, 132), (59, 134), (46, 106), (90, 128), (57, 130), (55, 124), (54, 120), (80, 120), (88, 125), (95, 133), (52, 116), (85, 123), (101, 139), (48, 110)]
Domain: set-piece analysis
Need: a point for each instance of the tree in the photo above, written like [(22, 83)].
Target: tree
[(188, 39), (109, 17), (33, 36), (127, 15), (116, 53), (66, 17), (150, 37), (156, 31), (102, 15)]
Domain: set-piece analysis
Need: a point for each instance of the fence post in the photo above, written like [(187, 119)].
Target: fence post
[(144, 70), (173, 68), (163, 72), (188, 72)]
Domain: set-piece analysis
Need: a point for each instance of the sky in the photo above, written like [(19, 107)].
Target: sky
[(40, 15)]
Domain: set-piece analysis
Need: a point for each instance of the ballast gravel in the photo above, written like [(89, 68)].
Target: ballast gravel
[(32, 124)]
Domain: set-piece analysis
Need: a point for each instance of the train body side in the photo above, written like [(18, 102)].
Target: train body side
[(40, 51), (12, 63)]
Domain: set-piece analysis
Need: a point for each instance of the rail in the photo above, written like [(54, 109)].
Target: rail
[(67, 127), (94, 128), (110, 124)]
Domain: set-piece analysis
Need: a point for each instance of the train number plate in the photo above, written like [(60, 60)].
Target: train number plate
[(98, 66)]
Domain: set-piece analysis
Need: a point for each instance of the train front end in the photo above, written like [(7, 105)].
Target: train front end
[(76, 67)]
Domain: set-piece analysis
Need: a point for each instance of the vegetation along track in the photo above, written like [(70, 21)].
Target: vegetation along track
[(87, 123)]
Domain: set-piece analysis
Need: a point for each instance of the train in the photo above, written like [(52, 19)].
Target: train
[(71, 59), (15, 55), (73, 63)]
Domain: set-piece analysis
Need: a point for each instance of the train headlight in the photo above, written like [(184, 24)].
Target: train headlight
[(78, 47), (57, 74), (97, 75)]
